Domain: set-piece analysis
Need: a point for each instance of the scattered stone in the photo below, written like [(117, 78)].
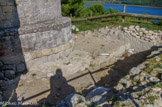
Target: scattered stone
[(73, 27), (142, 33), (131, 51), (98, 95), (136, 78), (157, 58), (134, 71), (154, 79), (77, 29), (157, 89), (119, 87), (10, 74), (74, 99)]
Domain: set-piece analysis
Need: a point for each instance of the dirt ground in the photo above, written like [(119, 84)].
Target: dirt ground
[(104, 52)]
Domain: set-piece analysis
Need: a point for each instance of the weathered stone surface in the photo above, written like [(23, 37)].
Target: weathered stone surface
[(23, 12), (98, 95), (134, 71), (20, 68), (73, 100), (28, 12), (1, 76), (40, 38), (10, 74)]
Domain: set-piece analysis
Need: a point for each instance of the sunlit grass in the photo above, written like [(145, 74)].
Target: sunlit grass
[(115, 22)]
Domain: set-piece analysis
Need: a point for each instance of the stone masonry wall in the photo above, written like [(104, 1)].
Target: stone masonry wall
[(27, 12), (8, 14), (36, 11), (39, 34)]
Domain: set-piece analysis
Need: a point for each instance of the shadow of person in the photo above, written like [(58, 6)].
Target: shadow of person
[(59, 88)]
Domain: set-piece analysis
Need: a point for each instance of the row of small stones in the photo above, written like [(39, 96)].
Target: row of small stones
[(142, 33)]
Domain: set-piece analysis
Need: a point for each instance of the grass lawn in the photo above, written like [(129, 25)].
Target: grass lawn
[(115, 22)]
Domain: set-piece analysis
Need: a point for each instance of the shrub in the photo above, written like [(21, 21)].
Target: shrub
[(70, 6), (97, 9), (159, 23), (111, 10), (82, 12)]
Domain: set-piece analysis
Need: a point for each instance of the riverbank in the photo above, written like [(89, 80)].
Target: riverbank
[(86, 3)]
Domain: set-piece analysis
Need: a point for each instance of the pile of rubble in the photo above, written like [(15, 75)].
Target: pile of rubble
[(142, 33)]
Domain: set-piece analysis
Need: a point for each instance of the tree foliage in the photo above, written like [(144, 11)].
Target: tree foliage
[(97, 9), (70, 6), (77, 9), (111, 10)]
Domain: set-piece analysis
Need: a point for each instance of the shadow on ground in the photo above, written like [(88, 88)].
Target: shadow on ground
[(118, 71), (59, 89)]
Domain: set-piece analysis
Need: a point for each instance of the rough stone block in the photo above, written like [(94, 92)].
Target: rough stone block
[(20, 68), (2, 16), (36, 54), (9, 16), (3, 3), (43, 34), (7, 24), (7, 9), (44, 8), (46, 52)]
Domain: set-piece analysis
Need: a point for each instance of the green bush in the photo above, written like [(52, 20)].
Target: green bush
[(111, 10), (70, 6), (159, 23), (97, 9), (82, 12), (77, 9)]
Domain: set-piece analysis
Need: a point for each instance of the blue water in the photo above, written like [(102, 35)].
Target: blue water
[(134, 9)]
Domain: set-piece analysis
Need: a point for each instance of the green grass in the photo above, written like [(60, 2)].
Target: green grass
[(152, 98), (158, 85), (117, 104), (20, 85), (80, 101), (152, 63), (115, 22), (33, 75)]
